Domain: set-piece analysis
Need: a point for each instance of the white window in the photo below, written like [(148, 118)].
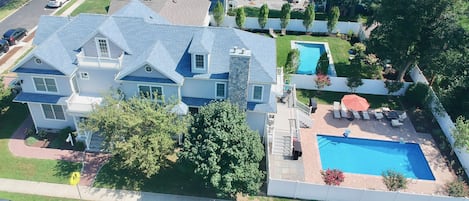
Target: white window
[(103, 47), (152, 92), (220, 90), (45, 84), (257, 92), (199, 61), (37, 61), (53, 112), (84, 76), (148, 68)]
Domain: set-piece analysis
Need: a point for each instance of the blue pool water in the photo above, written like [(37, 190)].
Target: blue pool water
[(363, 156), (309, 57)]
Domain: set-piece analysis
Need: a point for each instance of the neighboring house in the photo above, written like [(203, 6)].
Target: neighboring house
[(180, 12), (77, 60)]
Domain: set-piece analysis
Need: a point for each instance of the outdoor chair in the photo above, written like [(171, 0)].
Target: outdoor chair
[(336, 110), (396, 123), (365, 115), (356, 115), (343, 111), (402, 116), (378, 114)]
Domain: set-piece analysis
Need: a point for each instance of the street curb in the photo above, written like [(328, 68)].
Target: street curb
[(15, 11)]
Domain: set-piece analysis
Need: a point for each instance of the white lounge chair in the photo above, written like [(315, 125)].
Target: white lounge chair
[(343, 111), (402, 116), (378, 114), (336, 110), (356, 115), (396, 123), (365, 115)]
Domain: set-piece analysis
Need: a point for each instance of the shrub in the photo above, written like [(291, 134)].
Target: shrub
[(322, 80), (31, 140), (42, 134), (323, 64), (456, 189), (418, 95), (293, 60), (394, 180), (333, 177)]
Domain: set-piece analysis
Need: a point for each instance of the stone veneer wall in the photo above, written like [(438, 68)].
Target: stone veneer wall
[(240, 60)]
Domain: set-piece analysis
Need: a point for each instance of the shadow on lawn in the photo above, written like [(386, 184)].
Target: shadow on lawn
[(174, 179), (64, 169)]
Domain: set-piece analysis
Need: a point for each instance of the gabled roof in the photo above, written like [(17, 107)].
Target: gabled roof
[(49, 25), (202, 41), (110, 30), (136, 8)]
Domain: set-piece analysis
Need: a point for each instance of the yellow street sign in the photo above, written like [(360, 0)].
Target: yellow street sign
[(75, 178)]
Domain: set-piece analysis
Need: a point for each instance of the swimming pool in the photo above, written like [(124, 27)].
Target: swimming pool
[(309, 57), (363, 156)]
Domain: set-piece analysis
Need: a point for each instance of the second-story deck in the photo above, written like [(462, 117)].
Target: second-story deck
[(100, 62), (82, 104)]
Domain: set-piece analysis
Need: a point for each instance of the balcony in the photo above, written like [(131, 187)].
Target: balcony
[(80, 104), (100, 62)]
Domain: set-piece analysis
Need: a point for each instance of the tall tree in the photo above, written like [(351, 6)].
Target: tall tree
[(285, 16), (263, 15), (405, 30), (308, 16), (219, 13), (224, 151), (240, 17), (4, 95), (461, 133), (332, 18), (137, 132)]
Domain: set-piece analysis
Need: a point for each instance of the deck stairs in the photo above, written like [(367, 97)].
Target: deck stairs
[(303, 114), (282, 143), (96, 143)]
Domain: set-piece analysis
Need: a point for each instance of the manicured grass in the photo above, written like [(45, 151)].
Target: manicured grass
[(176, 179), (10, 7), (92, 6), (28, 197), (339, 50), (326, 97), (64, 8), (24, 168), (31, 140)]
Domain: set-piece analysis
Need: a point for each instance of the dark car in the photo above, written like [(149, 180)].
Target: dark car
[(14, 35), (4, 46)]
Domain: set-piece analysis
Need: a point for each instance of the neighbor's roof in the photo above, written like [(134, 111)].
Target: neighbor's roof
[(180, 12), (165, 47)]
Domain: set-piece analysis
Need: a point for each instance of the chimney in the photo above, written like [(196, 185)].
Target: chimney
[(240, 61)]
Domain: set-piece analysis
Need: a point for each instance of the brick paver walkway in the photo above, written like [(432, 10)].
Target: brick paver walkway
[(92, 161)]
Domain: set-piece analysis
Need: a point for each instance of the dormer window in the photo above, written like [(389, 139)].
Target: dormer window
[(199, 61), (102, 47)]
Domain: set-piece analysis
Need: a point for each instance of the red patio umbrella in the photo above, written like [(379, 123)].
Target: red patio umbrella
[(355, 102)]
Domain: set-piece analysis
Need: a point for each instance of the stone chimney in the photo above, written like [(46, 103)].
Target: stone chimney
[(240, 60)]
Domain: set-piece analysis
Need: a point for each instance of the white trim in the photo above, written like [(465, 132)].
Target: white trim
[(253, 92), (224, 91), (146, 66), (37, 61), (47, 92), (32, 116), (87, 77), (143, 83), (162, 91), (98, 49), (55, 118), (72, 84)]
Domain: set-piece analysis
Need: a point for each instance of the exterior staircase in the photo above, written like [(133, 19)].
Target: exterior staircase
[(96, 143), (303, 114), (282, 144)]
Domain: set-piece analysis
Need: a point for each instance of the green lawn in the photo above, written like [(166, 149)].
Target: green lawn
[(8, 8), (64, 8), (339, 50), (28, 197), (92, 6), (25, 168), (326, 97)]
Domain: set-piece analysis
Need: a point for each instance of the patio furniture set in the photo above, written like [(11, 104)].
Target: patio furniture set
[(341, 111)]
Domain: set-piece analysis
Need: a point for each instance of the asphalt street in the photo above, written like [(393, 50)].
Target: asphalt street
[(27, 16)]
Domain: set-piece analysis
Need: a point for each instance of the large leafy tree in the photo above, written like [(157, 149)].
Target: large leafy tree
[(263, 15), (332, 18), (5, 95), (461, 133), (224, 151), (137, 131), (285, 15), (308, 16), (406, 28), (219, 13), (240, 17)]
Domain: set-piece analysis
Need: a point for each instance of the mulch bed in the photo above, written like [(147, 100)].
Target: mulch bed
[(45, 143)]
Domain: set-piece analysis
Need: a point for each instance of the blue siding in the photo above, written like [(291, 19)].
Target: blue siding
[(37, 98), (148, 79), (38, 71)]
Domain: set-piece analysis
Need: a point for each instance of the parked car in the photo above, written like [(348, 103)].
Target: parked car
[(14, 35), (4, 46), (56, 3)]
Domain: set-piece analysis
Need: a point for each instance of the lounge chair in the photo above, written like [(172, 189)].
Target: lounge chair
[(365, 115), (343, 111), (402, 116), (396, 123), (336, 110), (378, 114), (356, 115)]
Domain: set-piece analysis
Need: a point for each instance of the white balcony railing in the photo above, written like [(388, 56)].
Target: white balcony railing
[(82, 104), (113, 63)]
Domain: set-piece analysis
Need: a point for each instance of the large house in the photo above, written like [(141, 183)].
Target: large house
[(76, 60)]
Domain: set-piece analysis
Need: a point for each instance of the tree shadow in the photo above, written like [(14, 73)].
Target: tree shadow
[(64, 169)]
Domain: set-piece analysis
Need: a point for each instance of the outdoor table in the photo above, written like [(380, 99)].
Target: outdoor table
[(391, 115)]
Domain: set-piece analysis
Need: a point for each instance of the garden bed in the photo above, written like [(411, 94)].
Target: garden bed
[(52, 141)]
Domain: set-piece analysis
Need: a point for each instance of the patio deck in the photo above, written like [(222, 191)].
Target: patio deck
[(309, 165)]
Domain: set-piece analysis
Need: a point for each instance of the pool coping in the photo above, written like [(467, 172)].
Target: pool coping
[(332, 70)]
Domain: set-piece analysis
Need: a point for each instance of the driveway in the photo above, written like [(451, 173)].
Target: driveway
[(27, 16)]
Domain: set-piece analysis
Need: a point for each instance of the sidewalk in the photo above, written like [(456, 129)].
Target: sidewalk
[(86, 193)]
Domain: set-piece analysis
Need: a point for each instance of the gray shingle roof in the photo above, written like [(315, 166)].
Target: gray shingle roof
[(165, 47), (137, 9)]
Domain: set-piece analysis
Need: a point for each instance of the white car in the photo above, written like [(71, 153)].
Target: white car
[(56, 3)]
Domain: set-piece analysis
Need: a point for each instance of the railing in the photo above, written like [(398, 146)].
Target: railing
[(270, 131), (88, 135), (100, 61)]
